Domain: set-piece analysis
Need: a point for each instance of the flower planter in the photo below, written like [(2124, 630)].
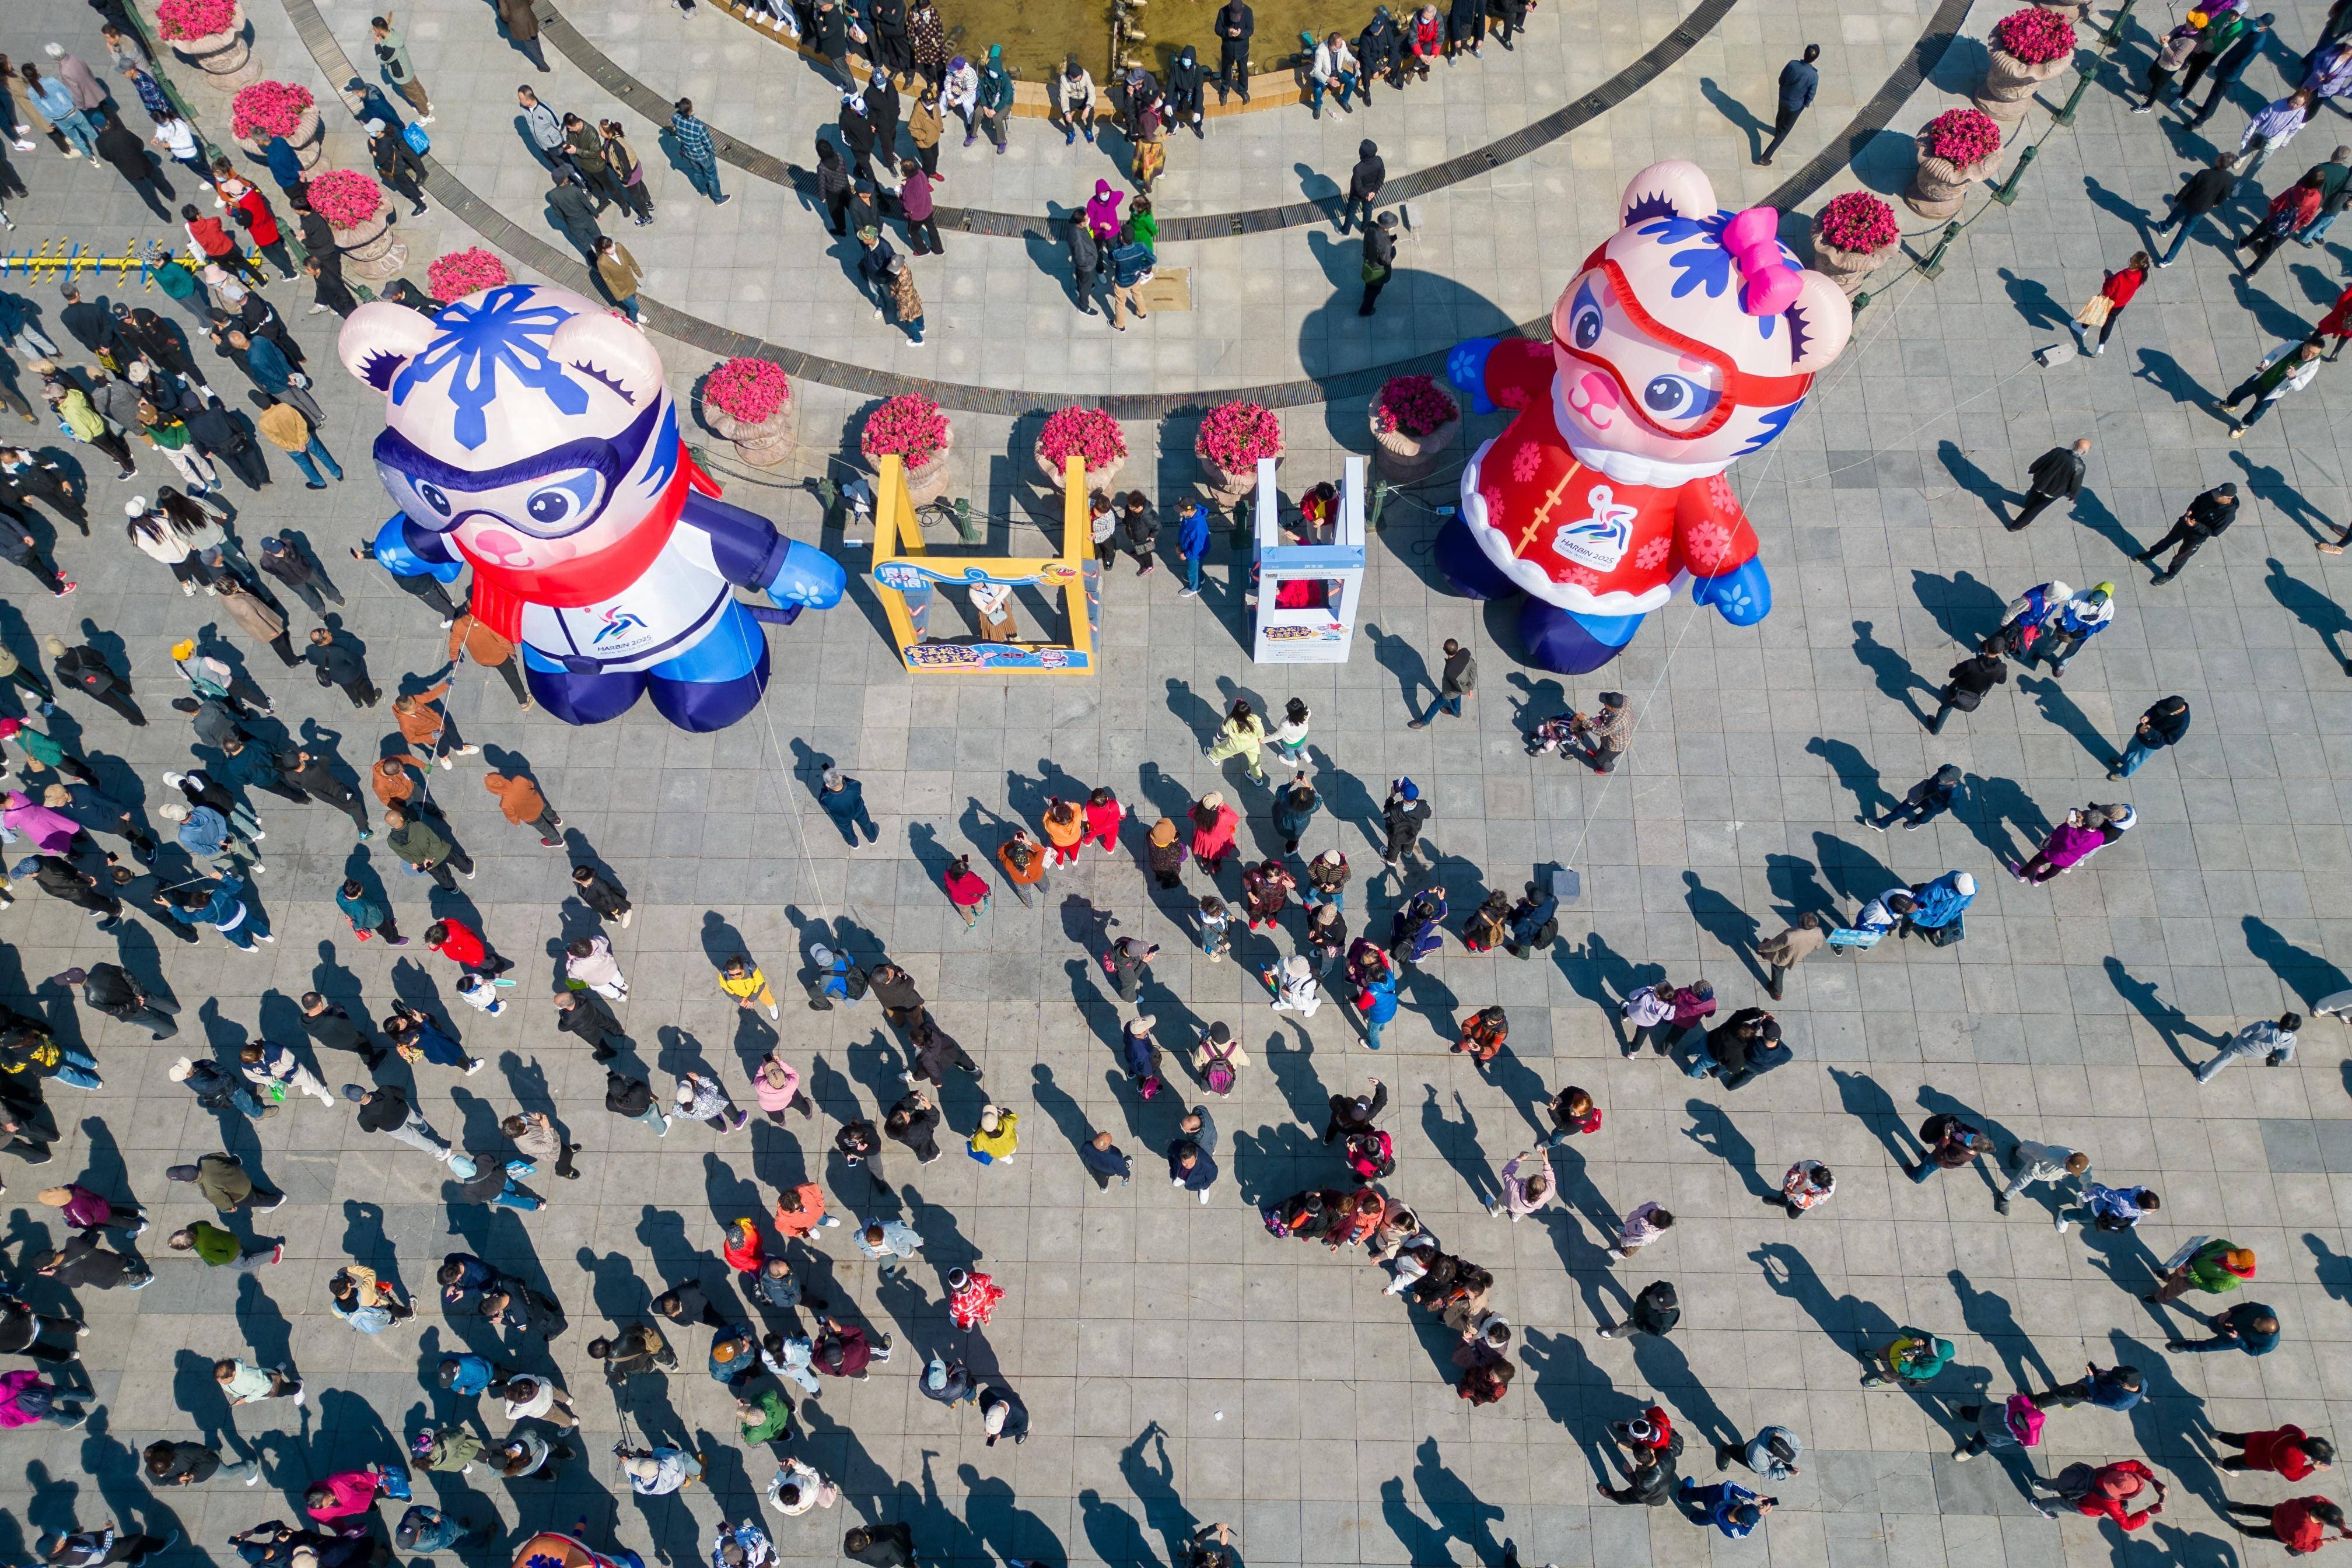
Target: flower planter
[(1402, 458), (930, 482), (372, 250), (1097, 478), (223, 60), (766, 444), (1227, 485), (2010, 84), (309, 140), (1850, 269), (1939, 184)]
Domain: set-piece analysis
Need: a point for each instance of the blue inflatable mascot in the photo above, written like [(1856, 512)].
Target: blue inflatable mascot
[(529, 433)]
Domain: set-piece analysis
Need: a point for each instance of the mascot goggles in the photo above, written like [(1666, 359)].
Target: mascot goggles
[(1735, 388), (547, 495)]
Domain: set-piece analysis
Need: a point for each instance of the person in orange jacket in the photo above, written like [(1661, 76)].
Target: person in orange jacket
[(519, 800)]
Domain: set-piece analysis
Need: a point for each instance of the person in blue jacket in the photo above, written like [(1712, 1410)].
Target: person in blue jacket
[(1940, 902), (221, 904), (1726, 1505), (1192, 544)]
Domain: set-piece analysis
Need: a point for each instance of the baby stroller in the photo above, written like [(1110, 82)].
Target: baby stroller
[(1551, 736)]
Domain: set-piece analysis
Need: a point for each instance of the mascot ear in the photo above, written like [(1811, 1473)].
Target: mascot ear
[(380, 338), (607, 349), (1673, 188), (1821, 322)]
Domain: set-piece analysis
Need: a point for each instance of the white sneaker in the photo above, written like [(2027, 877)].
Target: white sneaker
[(2063, 1226), (1204, 1197), (297, 1396), (447, 762)]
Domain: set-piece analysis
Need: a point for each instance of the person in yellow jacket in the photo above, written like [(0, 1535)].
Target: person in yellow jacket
[(741, 979), (997, 1136)]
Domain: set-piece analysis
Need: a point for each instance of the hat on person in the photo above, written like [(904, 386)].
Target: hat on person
[(991, 1118), (9, 727), (1407, 788), (184, 648), (1613, 700), (1965, 885), (138, 371), (2239, 1261), (1387, 220), (821, 955), (1139, 1025), (179, 1070), (172, 811), (354, 1093), (640, 1467), (995, 1420), (135, 507), (375, 127), (935, 1376), (1220, 1033), (1163, 832), (958, 1278)]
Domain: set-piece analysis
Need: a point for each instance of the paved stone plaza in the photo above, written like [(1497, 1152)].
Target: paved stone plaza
[(1179, 1365)]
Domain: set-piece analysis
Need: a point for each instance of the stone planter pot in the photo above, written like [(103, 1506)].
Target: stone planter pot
[(307, 139), (1228, 486), (2010, 84), (1401, 459), (372, 250), (930, 482), (2073, 10), (1939, 184), (1098, 479), (1848, 268), (223, 60), (765, 444)]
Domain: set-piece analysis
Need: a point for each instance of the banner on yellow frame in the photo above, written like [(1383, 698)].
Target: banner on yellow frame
[(911, 579)]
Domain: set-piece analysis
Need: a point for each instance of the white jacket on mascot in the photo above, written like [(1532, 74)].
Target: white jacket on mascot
[(1688, 340), (529, 433)]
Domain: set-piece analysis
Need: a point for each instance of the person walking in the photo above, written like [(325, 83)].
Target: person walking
[(1791, 948), (1772, 1453), (696, 152), (1379, 261), (1948, 1144), (2289, 367), (2237, 39), (2070, 624), (285, 428), (2165, 723), (2214, 1266), (424, 722), (2105, 309), (1364, 181), (2250, 1326), (2335, 183), (1656, 1310), (1458, 681), (2292, 211), (1800, 79), (2204, 191), (1191, 1167), (2273, 1042), (1128, 962), (2208, 518), (2288, 1452), (2057, 475), (416, 841), (522, 804), (1966, 682), (589, 961), (843, 800), (1922, 802), (2111, 1209), (1241, 735), (2274, 128), (2031, 1163), (340, 663), (2116, 1388), (2300, 1524)]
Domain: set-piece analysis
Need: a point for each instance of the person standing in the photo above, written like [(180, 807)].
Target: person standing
[(2029, 1163), (2292, 211), (1234, 23), (2164, 724), (695, 151), (390, 49), (1086, 262), (1406, 817), (2055, 475), (1791, 948), (2208, 518), (1966, 682), (620, 274), (2250, 1326), (1458, 681), (843, 800), (285, 428), (2335, 185), (2289, 367), (1799, 80), (1364, 183), (521, 803), (1655, 1311), (1949, 1144), (117, 144), (338, 663), (1379, 261)]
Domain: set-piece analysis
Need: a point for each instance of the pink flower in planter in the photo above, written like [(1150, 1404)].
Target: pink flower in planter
[(2035, 36), (909, 428), (344, 197), (183, 20), (462, 272), (1856, 221), (268, 109), (1414, 405), (1234, 436), (1088, 433), (1963, 136), (748, 391)]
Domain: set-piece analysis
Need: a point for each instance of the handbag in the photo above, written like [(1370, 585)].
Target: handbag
[(418, 142), (1950, 934), (2096, 312)]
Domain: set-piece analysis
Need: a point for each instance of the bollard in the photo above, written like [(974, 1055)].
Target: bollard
[(2084, 80), (2007, 192), (1382, 490), (2114, 33), (1238, 536), (970, 532), (1860, 302), (1932, 267)]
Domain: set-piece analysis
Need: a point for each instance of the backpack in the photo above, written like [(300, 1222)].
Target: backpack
[(2024, 1418), (1220, 1075), (1367, 1164), (1150, 1087), (853, 984)]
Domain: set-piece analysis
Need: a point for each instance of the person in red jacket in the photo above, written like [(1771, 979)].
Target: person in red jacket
[(742, 1250), (2112, 1491), (2336, 324), (2288, 1451), (2292, 211), (2300, 1524), (967, 890), (1214, 824), (260, 225), (216, 245), (464, 946), (1104, 815), (2118, 291)]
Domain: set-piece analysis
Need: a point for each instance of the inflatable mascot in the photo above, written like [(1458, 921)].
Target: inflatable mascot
[(1688, 340), (529, 433)]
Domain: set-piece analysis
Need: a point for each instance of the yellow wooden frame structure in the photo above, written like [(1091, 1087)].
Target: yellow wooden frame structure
[(907, 576)]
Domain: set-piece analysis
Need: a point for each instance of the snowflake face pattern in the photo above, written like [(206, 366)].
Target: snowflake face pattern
[(479, 338)]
